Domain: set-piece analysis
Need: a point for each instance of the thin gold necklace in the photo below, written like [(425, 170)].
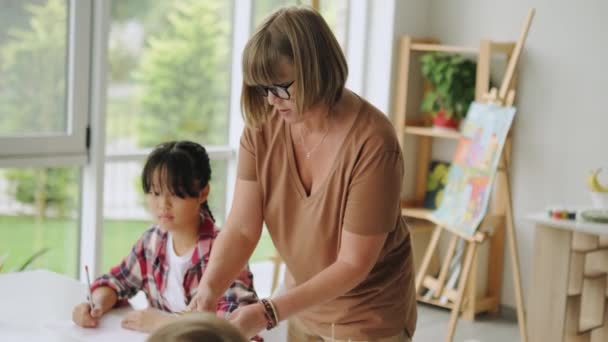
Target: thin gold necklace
[(310, 151)]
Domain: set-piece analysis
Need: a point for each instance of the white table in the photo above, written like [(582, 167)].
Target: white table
[(568, 297), (31, 300)]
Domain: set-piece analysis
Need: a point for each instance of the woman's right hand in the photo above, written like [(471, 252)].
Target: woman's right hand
[(203, 300), (83, 316)]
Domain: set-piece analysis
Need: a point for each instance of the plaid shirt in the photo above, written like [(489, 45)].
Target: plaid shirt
[(146, 268)]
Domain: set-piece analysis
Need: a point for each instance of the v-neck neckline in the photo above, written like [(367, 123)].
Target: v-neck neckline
[(293, 169)]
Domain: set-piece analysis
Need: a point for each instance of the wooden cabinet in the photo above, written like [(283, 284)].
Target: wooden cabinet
[(568, 294)]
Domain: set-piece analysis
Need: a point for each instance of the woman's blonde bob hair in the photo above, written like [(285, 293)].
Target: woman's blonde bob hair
[(299, 36), (194, 327)]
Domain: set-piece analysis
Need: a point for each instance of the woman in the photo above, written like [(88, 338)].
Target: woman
[(323, 169)]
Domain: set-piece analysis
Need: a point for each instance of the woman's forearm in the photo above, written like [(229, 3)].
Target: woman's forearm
[(330, 283), (231, 251)]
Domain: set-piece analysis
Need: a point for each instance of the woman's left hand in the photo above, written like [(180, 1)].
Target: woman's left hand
[(146, 320), (249, 319)]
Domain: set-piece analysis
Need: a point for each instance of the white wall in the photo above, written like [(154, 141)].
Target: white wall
[(561, 129)]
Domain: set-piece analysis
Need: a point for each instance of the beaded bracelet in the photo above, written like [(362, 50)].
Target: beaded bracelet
[(275, 313), (270, 314)]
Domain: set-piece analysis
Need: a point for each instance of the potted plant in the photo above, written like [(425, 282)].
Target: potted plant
[(452, 80)]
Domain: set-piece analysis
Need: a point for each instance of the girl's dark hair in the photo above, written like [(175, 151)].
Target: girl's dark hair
[(183, 169)]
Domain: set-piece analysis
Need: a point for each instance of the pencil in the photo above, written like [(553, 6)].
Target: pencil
[(90, 296)]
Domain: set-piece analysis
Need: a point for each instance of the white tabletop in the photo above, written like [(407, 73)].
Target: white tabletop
[(572, 225), (37, 306), (33, 301)]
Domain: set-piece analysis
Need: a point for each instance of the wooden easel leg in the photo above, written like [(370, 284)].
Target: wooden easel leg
[(495, 274), (462, 283), (428, 255), (521, 317), (447, 260), (470, 296)]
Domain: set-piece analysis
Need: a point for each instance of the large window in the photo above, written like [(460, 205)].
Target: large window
[(32, 94), (43, 114), (43, 77), (39, 219), (165, 71), (168, 79), (169, 73)]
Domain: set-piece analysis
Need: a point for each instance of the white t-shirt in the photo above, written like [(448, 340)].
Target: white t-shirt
[(178, 265)]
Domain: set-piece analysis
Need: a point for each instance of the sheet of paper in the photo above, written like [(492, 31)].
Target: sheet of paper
[(109, 329), (10, 332)]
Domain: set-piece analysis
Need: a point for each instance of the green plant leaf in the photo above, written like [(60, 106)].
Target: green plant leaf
[(453, 80), (429, 102), (32, 258)]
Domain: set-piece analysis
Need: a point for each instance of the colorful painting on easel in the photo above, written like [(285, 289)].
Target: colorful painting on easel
[(469, 184)]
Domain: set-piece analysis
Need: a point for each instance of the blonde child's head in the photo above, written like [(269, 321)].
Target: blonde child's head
[(196, 327)]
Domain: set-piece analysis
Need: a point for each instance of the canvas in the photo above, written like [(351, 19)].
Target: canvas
[(469, 182)]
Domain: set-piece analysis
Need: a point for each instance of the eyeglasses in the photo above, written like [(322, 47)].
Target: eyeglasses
[(278, 90)]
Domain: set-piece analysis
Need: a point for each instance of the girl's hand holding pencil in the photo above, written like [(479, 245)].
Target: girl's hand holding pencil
[(87, 314), (83, 316)]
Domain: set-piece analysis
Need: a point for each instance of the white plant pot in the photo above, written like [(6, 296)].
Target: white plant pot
[(599, 200)]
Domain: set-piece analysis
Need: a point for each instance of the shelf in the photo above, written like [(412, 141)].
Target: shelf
[(419, 213), (483, 304), (433, 132), (435, 302), (444, 48), (504, 48)]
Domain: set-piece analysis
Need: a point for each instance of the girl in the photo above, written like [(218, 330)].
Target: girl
[(168, 261)]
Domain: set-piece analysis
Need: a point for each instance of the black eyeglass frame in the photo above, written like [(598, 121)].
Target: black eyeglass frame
[(278, 90)]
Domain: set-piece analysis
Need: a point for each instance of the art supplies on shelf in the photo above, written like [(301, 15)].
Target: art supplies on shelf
[(561, 213)]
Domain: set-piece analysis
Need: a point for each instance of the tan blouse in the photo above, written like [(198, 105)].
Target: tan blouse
[(361, 194)]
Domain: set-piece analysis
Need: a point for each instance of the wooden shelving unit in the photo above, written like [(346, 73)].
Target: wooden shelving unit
[(458, 291), (407, 96)]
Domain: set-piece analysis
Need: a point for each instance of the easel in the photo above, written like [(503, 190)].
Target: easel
[(499, 217)]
